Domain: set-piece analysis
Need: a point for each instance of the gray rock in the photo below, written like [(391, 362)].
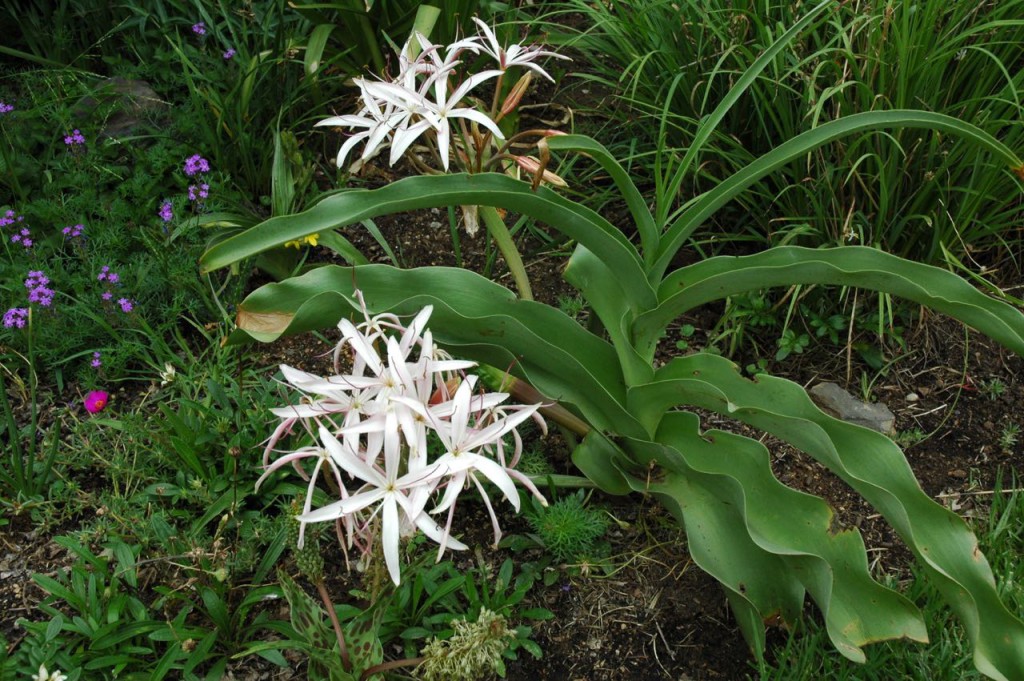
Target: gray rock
[(841, 404)]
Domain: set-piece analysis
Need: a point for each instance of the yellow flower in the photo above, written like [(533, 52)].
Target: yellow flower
[(311, 240)]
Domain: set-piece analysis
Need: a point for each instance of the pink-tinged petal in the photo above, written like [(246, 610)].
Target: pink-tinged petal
[(456, 483), (389, 538), (434, 531), (348, 146), (478, 117), (496, 430), (525, 481), (403, 139), (490, 510), (348, 461), (303, 453), (360, 346)]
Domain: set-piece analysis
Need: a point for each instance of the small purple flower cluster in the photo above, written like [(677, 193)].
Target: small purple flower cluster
[(96, 361), (166, 211), (196, 164), (16, 316), (10, 217), (199, 28), (73, 232), (75, 139), (38, 288), (198, 191), (5, 107), (113, 279), (23, 237), (229, 54)]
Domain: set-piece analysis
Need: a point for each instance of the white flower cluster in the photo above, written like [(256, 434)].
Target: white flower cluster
[(372, 430), (421, 97)]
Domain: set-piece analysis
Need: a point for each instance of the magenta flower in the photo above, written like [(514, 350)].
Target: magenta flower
[(95, 401), (5, 107), (126, 305), (229, 54), (10, 217)]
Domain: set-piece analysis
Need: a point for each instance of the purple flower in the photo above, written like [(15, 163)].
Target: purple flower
[(113, 277), (10, 217), (73, 231), (96, 361), (166, 211), (196, 192), (107, 295), (196, 164), (126, 305), (16, 316), (199, 28), (35, 279), (103, 273), (23, 237), (7, 108), (229, 54), (74, 139)]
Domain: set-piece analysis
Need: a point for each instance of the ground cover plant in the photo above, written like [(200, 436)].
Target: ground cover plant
[(175, 503)]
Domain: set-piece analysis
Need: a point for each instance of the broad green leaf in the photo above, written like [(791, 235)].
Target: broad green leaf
[(490, 189), (859, 266), (797, 527), (876, 468)]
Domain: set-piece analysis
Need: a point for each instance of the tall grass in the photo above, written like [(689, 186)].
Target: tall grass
[(909, 192)]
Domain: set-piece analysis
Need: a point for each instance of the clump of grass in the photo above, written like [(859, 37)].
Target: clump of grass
[(568, 528)]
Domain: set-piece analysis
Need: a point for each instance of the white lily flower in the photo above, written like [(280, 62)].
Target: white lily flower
[(515, 55)]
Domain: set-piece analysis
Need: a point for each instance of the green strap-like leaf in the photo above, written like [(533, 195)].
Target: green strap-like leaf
[(876, 468), (859, 266), (483, 320), (649, 235), (706, 204), (602, 291), (794, 526), (489, 189)]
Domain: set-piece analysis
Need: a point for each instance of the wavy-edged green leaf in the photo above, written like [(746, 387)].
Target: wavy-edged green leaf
[(706, 204), (876, 468), (859, 266), (602, 292), (649, 234), (793, 525), (475, 317), (603, 462), (757, 583), (488, 189)]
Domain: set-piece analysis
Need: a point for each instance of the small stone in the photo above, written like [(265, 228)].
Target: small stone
[(913, 397), (958, 473), (841, 404)]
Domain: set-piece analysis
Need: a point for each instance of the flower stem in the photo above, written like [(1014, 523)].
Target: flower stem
[(346, 663), (393, 664), (503, 239)]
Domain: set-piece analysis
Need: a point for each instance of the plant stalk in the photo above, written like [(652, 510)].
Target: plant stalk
[(346, 662), (507, 246)]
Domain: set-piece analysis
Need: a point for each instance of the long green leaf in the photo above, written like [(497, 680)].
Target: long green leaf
[(649, 235), (743, 83), (859, 266), (875, 467), (490, 189), (794, 526), (706, 204)]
